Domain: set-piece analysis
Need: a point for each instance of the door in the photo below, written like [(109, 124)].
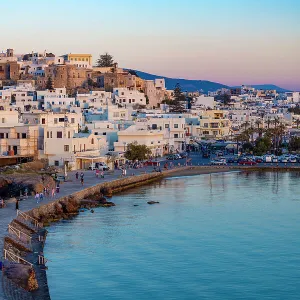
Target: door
[(15, 148)]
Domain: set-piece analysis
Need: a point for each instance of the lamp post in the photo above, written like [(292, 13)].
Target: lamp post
[(124, 146)]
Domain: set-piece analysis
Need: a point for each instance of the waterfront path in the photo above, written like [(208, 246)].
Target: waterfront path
[(72, 185)]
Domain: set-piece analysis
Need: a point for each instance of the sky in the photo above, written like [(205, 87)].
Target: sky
[(233, 42)]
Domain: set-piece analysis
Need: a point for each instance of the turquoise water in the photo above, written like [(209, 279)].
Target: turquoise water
[(220, 236)]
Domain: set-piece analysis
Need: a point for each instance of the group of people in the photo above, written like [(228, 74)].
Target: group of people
[(97, 173), (81, 177)]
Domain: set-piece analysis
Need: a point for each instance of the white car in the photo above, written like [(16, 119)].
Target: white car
[(283, 159), (218, 162), (292, 159), (99, 165)]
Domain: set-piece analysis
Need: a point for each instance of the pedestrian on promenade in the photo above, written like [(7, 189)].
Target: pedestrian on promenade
[(17, 204), (2, 203), (57, 188), (81, 180), (53, 192), (97, 173), (125, 172), (77, 174), (26, 192), (102, 174), (41, 196), (37, 197), (81, 175)]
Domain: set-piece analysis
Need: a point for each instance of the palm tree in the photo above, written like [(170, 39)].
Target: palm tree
[(268, 122), (258, 123), (246, 125), (276, 121)]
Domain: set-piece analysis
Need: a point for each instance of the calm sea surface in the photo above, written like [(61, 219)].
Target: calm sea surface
[(220, 236)]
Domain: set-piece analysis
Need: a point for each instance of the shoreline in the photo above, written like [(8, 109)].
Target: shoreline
[(70, 205)]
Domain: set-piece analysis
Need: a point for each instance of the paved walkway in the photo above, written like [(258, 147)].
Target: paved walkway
[(72, 185)]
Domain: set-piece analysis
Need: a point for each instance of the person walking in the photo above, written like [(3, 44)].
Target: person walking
[(53, 192), (41, 196), (97, 173), (37, 197), (17, 204), (57, 188), (26, 192), (77, 175)]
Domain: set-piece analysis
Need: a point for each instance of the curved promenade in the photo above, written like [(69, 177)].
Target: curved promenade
[(93, 185)]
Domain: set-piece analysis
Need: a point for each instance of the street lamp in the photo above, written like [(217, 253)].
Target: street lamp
[(124, 146)]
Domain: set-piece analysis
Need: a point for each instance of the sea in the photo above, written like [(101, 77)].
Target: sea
[(214, 236)]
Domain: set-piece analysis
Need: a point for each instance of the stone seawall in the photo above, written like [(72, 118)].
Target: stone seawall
[(18, 279)]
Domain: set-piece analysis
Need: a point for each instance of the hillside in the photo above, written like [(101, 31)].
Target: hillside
[(186, 85), (204, 85)]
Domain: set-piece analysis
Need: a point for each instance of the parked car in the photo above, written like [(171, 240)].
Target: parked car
[(275, 159), (247, 162), (183, 154), (283, 158), (173, 156), (99, 165), (292, 159), (218, 162), (232, 159), (258, 159), (219, 153), (205, 154), (267, 158)]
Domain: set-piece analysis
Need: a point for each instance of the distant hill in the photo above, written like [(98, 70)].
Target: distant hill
[(204, 85), (186, 85)]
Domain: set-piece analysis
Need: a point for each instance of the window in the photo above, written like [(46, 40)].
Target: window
[(56, 163), (55, 120), (69, 134), (47, 134), (51, 134), (3, 120), (66, 148), (43, 121), (1, 135), (18, 135), (176, 135), (92, 141), (23, 135), (59, 134), (72, 120), (107, 126), (61, 119), (7, 135), (167, 126), (175, 125)]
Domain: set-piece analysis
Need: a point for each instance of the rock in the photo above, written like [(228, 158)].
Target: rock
[(152, 202), (135, 205), (81, 210), (92, 211)]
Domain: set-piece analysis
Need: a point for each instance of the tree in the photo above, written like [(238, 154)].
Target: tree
[(177, 104), (147, 99), (262, 146), (105, 61), (132, 72), (137, 152), (49, 83), (294, 144)]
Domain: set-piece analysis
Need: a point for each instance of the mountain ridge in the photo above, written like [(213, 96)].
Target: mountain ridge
[(192, 85)]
